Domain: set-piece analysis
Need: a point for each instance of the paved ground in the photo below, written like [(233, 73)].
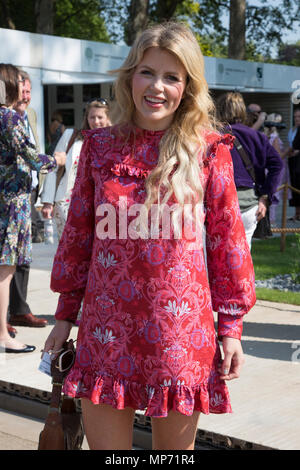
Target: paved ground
[(19, 432), (265, 399)]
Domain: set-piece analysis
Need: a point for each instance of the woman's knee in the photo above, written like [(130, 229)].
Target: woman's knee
[(107, 428), (175, 432)]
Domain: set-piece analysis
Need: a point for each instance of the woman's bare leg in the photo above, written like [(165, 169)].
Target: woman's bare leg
[(6, 274), (107, 428), (175, 432)]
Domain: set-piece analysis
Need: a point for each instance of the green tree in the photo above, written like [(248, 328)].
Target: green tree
[(289, 54), (15, 14), (243, 30), (237, 30), (126, 19), (81, 19), (232, 28), (264, 23), (138, 14), (44, 16)]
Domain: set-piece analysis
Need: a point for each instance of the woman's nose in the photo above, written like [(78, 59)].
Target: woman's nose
[(157, 83)]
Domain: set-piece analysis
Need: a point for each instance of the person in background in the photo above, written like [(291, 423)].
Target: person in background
[(253, 199), (18, 157), (57, 190), (55, 131), (29, 117), (2, 92), (274, 138), (294, 164), (146, 339), (19, 312), (255, 117), (11, 330), (273, 134)]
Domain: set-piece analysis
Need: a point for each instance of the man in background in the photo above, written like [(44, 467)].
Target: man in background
[(255, 116), (30, 120), (19, 311)]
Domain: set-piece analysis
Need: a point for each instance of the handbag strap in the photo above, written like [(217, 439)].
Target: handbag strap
[(57, 383), (245, 158), (55, 396)]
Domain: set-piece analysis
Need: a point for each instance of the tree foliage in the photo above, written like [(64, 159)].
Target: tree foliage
[(80, 19), (289, 54), (265, 23), (15, 14), (127, 18), (119, 21)]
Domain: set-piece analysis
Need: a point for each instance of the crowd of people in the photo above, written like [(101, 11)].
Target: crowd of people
[(146, 338)]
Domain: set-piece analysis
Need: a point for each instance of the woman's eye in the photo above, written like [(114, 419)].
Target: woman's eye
[(145, 72), (173, 78)]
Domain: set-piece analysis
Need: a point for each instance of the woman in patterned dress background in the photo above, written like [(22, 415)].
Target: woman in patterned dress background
[(17, 158), (147, 339)]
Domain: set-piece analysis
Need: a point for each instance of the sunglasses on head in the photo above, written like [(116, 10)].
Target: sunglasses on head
[(102, 101)]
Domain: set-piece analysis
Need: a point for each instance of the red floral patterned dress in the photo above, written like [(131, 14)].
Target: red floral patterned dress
[(146, 338)]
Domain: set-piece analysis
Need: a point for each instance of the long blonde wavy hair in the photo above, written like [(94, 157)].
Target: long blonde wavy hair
[(177, 172)]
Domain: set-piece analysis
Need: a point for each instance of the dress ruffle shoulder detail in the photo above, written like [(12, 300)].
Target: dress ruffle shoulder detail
[(124, 169), (157, 401), (104, 131), (214, 140)]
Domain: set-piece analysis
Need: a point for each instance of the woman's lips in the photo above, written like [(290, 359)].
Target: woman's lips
[(154, 101)]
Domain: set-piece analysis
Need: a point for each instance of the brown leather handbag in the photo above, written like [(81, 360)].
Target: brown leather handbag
[(63, 429)]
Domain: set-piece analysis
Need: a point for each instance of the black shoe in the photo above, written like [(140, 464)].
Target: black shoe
[(23, 350)]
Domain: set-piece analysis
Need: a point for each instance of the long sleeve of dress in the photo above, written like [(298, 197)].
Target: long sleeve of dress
[(229, 261), (23, 148), (49, 186), (72, 260)]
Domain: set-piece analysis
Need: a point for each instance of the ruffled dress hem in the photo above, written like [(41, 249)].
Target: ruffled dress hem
[(156, 401)]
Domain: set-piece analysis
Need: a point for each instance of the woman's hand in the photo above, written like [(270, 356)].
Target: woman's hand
[(60, 158), (47, 210), (57, 337), (233, 358)]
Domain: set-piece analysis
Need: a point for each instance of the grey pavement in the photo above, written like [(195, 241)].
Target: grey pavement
[(19, 432), (265, 399)]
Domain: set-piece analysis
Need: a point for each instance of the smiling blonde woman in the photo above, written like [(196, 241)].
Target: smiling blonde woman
[(146, 339)]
